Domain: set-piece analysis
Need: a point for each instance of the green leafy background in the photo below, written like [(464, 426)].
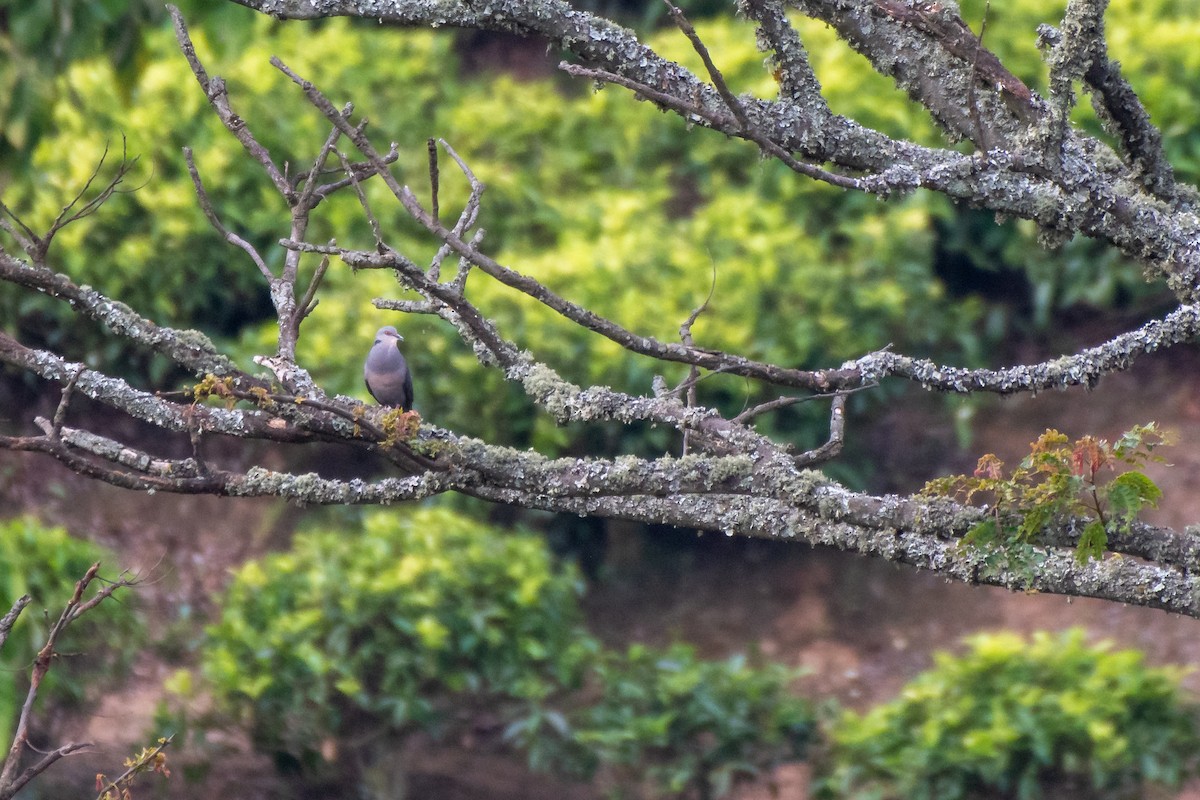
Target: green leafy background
[(620, 207)]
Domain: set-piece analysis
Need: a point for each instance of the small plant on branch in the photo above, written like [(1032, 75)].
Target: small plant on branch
[(1059, 478), (150, 759)]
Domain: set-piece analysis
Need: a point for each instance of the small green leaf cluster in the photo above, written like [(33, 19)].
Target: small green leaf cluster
[(421, 619), (45, 562), (1021, 720), (1058, 478)]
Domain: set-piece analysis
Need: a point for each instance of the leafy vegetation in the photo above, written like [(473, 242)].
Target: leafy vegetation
[(424, 618), (1058, 478), (1050, 717), (693, 727), (45, 562), (397, 627), (599, 196)]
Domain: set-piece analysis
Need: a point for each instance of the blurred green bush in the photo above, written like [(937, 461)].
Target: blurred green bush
[(1046, 718), (40, 39), (45, 563), (690, 726), (397, 626), (422, 620)]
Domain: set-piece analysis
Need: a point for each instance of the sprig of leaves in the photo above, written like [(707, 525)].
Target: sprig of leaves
[(1058, 478)]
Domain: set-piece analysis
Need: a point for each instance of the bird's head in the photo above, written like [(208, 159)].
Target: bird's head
[(388, 333)]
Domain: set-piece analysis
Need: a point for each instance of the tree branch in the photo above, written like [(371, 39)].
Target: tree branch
[(734, 479), (10, 781)]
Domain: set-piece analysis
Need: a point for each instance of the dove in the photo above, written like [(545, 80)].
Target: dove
[(386, 372)]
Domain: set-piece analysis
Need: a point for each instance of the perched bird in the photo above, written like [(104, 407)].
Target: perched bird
[(386, 371)]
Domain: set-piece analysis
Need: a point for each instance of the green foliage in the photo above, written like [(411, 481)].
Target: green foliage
[(422, 617), (1058, 478), (691, 725), (1050, 717), (604, 199), (607, 200), (45, 563), (412, 618), (39, 39)]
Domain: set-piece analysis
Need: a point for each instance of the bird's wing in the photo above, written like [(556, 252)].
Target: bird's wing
[(408, 389), (367, 383)]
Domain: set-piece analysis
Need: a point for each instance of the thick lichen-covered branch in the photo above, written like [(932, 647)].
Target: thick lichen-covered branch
[(1084, 368), (733, 478), (190, 349)]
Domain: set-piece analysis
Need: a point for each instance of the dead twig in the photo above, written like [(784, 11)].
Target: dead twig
[(837, 435), (211, 215), (218, 98), (685, 336), (10, 781), (10, 618)]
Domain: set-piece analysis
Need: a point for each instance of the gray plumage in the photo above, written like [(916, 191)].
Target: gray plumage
[(386, 372)]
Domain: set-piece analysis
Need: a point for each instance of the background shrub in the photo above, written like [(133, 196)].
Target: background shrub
[(45, 562), (1049, 717), (423, 619), (394, 628), (691, 726)]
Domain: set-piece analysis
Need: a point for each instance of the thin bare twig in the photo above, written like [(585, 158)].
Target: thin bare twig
[(308, 303), (68, 215), (60, 413), (25, 237), (466, 220), (211, 215), (685, 336), (837, 435), (693, 111), (10, 782), (358, 171), (372, 220), (718, 80), (464, 265), (785, 402), (309, 197), (37, 247), (218, 98), (10, 618), (433, 178)]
